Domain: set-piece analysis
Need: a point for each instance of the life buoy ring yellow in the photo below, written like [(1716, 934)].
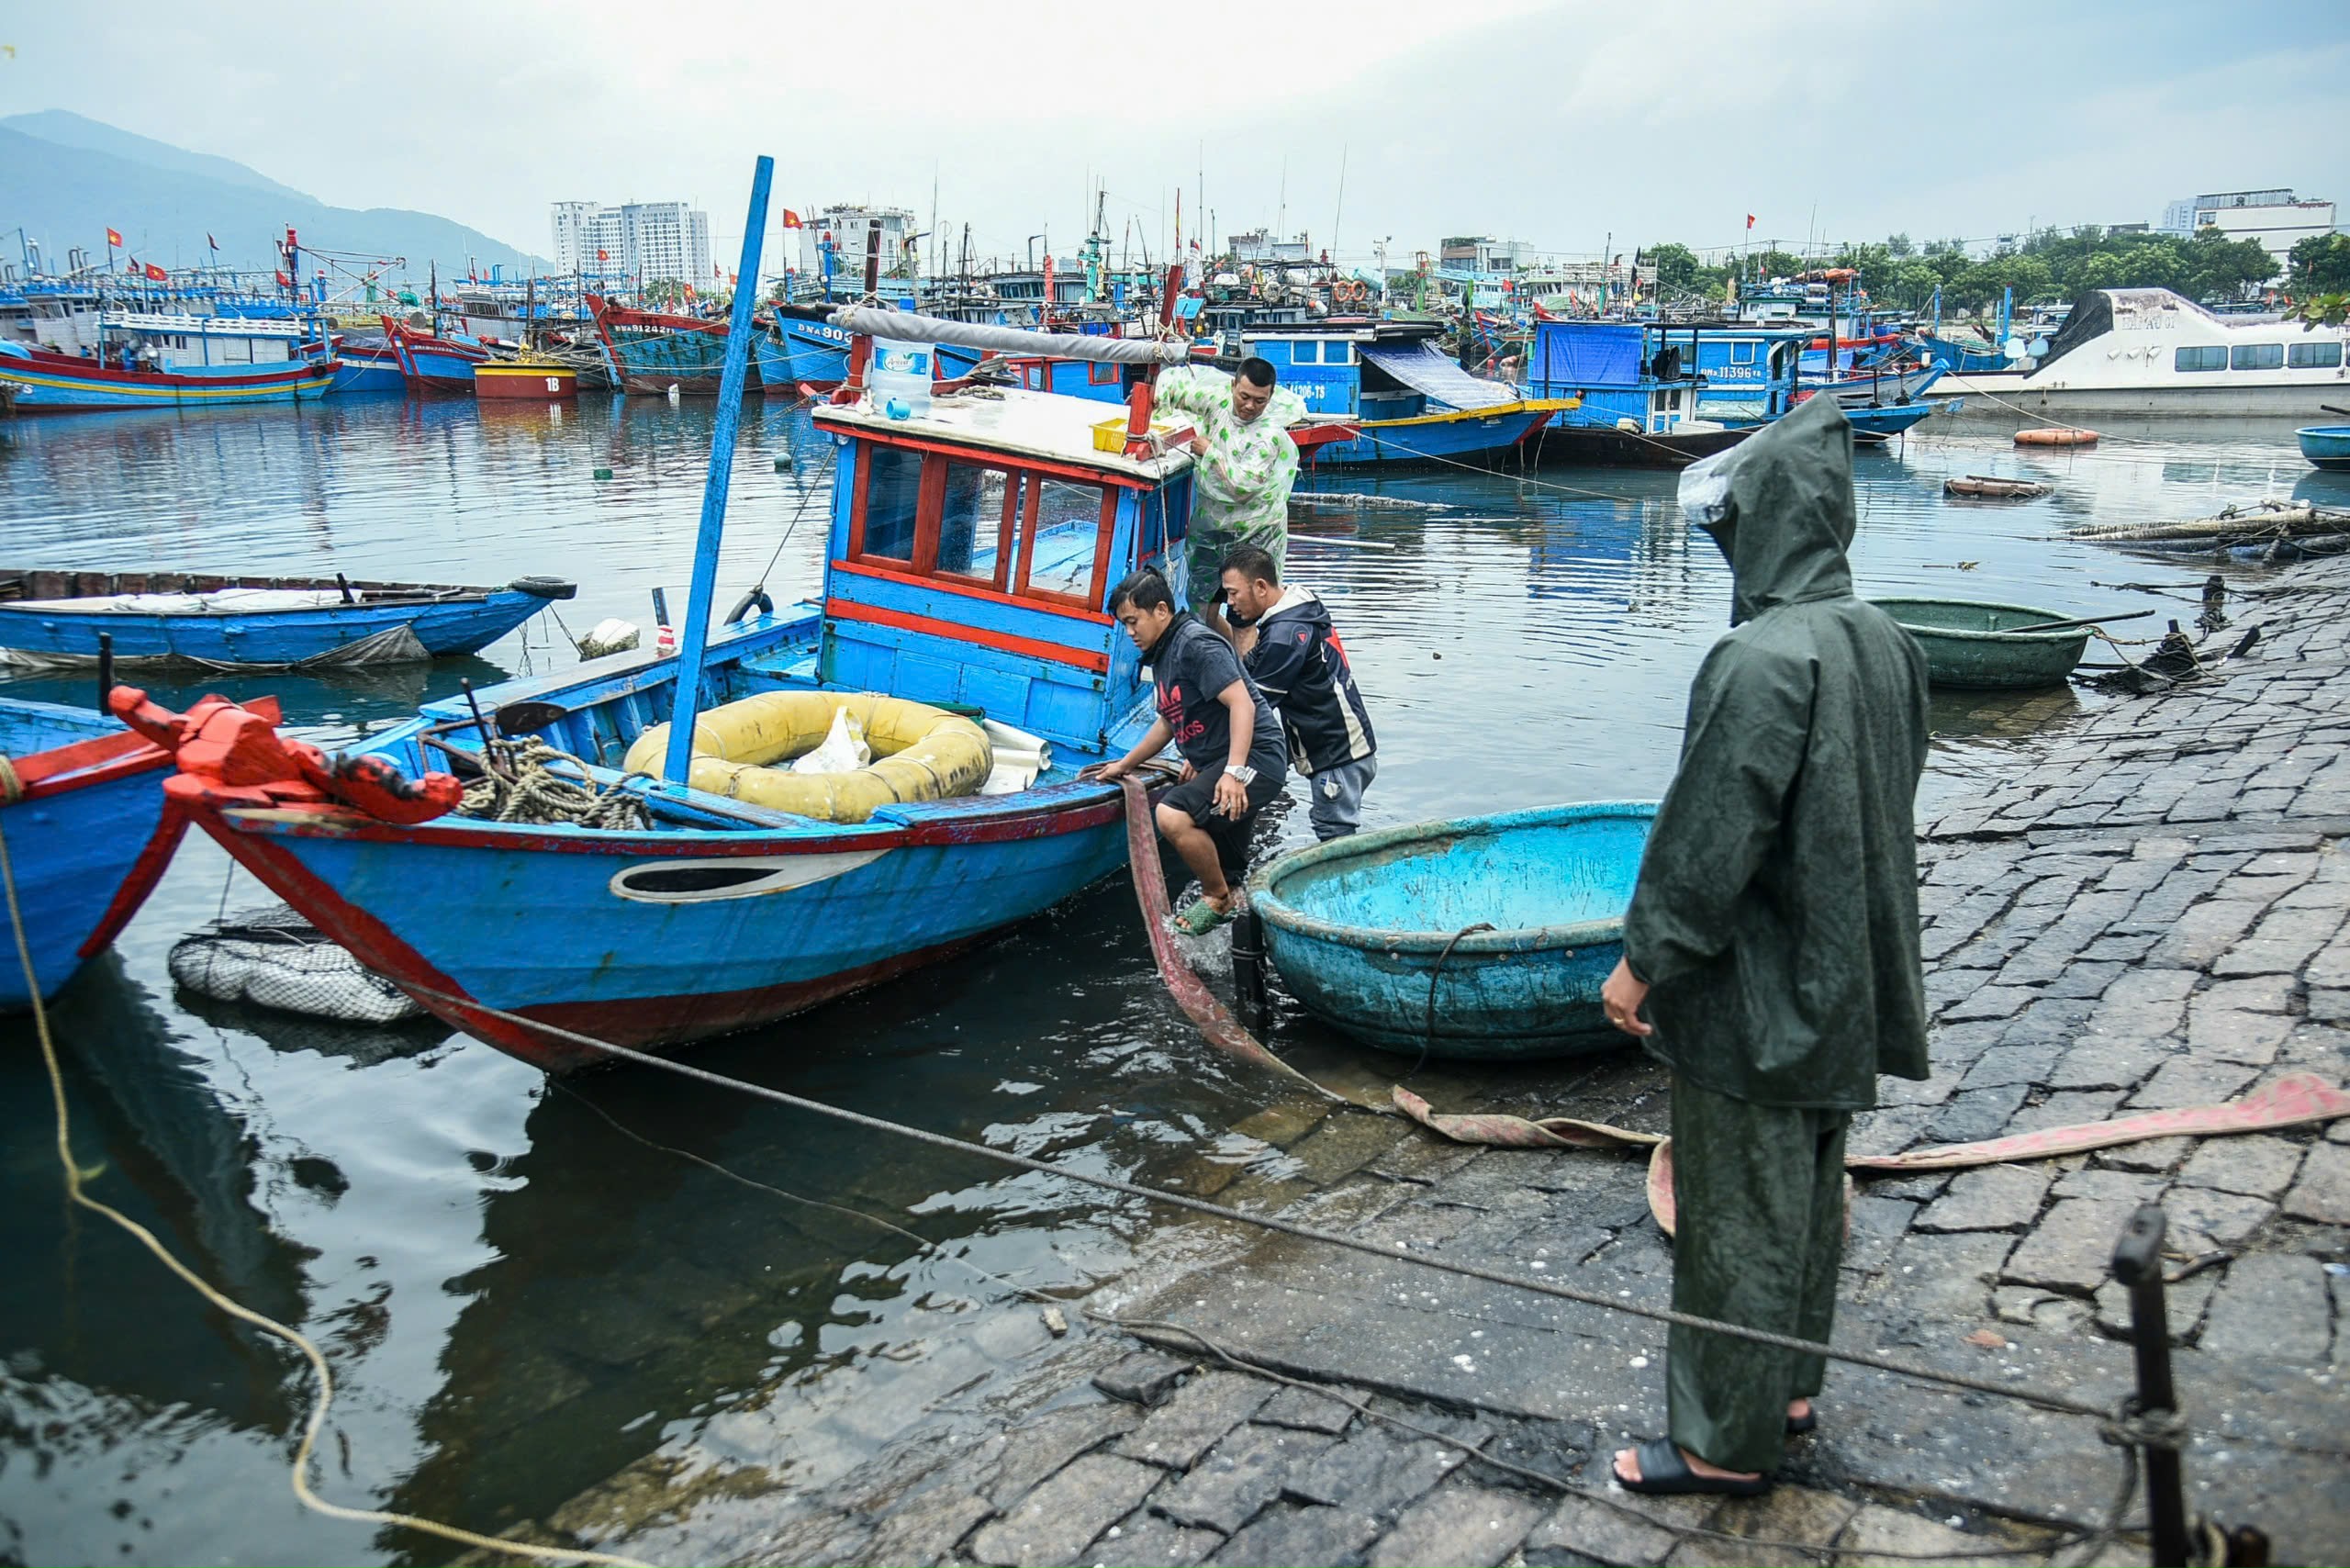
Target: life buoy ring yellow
[(919, 753)]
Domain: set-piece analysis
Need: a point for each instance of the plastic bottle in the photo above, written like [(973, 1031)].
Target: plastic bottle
[(899, 378)]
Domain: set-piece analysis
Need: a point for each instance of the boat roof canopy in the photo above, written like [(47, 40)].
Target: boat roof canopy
[(1015, 424)]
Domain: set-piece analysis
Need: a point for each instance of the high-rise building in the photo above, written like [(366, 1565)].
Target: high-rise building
[(651, 241)]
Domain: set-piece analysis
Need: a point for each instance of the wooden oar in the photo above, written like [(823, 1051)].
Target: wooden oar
[(2330, 409), (2077, 620)]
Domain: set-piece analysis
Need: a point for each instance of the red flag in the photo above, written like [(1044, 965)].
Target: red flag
[(1749, 223), (210, 243), (114, 237), (792, 219), (157, 275), (283, 282), (603, 255)]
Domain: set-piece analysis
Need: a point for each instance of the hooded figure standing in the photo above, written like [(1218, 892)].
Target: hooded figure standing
[(1774, 939)]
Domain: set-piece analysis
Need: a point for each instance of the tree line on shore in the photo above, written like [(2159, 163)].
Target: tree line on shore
[(2049, 268)]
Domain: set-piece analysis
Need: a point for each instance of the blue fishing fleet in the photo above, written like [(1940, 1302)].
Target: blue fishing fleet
[(1411, 402)]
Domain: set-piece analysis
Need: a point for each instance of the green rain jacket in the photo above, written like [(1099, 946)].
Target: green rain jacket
[(1776, 912)]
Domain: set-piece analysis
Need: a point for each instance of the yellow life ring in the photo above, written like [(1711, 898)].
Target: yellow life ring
[(919, 753)]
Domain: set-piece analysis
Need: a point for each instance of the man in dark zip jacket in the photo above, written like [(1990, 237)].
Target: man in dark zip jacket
[(1293, 655), (1772, 939)]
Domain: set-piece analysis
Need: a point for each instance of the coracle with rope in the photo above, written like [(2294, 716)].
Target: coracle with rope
[(520, 784)]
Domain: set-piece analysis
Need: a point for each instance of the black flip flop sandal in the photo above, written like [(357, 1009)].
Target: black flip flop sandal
[(1798, 1425), (1664, 1473)]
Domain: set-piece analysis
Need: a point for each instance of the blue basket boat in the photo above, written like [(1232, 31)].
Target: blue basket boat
[(252, 622), (2328, 446), (82, 804), (1371, 932)]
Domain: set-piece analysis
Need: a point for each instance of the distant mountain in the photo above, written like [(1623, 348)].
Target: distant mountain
[(67, 179)]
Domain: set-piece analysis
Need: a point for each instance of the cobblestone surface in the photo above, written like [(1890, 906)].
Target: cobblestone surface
[(2144, 908)]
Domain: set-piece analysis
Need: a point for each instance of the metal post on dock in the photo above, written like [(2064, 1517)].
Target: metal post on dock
[(2138, 1265), (693, 637)]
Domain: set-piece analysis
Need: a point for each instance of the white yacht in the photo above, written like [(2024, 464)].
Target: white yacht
[(2147, 351)]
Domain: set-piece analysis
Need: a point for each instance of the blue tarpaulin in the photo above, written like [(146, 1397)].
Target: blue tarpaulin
[(1428, 371), (1587, 354)]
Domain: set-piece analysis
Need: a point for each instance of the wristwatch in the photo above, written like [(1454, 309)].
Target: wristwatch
[(1246, 774)]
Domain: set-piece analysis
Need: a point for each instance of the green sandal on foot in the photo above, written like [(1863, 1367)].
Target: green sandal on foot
[(1201, 918)]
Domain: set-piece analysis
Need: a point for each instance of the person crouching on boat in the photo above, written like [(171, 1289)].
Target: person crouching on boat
[(1229, 739), (1246, 462), (1773, 937), (1287, 644)]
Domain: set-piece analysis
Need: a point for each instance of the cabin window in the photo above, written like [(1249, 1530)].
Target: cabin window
[(882, 521), (1305, 354), (1098, 373), (1338, 354), (978, 518), (1066, 540), (2314, 356), (1742, 354), (2256, 356), (2201, 359)]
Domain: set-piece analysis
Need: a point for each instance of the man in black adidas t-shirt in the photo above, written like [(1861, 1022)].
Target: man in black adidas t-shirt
[(1229, 738)]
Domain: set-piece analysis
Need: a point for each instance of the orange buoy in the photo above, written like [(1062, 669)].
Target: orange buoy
[(2056, 435)]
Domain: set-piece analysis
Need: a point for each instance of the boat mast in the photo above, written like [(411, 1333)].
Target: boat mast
[(694, 635)]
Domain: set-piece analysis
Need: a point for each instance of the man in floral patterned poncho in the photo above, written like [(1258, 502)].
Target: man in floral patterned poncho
[(1246, 462)]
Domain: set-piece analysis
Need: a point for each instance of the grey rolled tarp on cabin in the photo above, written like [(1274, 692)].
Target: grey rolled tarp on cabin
[(1430, 374), (905, 326)]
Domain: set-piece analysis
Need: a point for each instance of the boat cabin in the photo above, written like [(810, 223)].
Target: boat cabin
[(1663, 377), (1372, 370), (174, 340), (973, 550)]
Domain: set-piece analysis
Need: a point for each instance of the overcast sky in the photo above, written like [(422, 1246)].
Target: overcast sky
[(1562, 124)]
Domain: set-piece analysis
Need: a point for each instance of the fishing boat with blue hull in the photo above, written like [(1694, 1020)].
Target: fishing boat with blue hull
[(82, 807), (653, 350), (971, 552), (1411, 402), (253, 622), (1648, 396), (795, 353), (367, 365), (1480, 937), (434, 364), (146, 360)]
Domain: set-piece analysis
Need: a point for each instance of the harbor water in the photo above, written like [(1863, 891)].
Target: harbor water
[(524, 1287)]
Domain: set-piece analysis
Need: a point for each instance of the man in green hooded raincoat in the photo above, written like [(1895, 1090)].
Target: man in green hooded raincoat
[(1248, 461), (1774, 939)]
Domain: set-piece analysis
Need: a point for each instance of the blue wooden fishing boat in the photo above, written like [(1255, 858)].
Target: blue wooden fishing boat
[(1482, 938), (82, 806), (435, 363), (255, 622), (794, 352), (655, 351), (971, 554), (1655, 396), (1412, 403), (366, 365), (2327, 446), (148, 360)]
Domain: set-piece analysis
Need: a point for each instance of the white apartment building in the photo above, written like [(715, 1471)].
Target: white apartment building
[(2274, 217), (652, 240)]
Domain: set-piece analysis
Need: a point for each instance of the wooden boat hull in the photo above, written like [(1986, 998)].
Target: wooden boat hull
[(434, 620), (87, 842), (1479, 437), (1966, 648), (1602, 446), (803, 353), (2326, 446), (63, 383), (432, 366), (576, 927), (652, 351), (1364, 929), (362, 373), (516, 381)]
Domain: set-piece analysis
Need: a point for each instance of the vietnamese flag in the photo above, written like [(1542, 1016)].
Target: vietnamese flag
[(792, 219), (114, 237), (603, 255), (1749, 223), (157, 275), (282, 281)]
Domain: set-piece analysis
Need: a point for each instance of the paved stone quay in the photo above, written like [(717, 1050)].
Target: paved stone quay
[(2143, 907)]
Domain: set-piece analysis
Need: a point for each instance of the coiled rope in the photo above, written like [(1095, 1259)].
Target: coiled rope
[(520, 784), (305, 1449)]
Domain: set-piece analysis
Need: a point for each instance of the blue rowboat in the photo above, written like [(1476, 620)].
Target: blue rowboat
[(2328, 446), (1372, 933), (971, 554), (53, 617), (82, 806)]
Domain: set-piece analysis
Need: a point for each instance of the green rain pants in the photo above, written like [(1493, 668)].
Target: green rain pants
[(1759, 1195), (1204, 555)]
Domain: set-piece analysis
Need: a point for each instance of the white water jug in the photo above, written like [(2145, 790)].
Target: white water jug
[(900, 378)]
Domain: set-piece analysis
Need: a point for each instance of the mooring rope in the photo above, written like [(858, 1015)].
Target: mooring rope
[(520, 784), (305, 1449)]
